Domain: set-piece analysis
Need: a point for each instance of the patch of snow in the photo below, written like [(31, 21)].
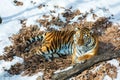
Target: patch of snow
[(116, 64), (55, 27), (7, 64), (6, 76), (58, 71), (118, 75), (7, 30), (107, 78), (11, 15)]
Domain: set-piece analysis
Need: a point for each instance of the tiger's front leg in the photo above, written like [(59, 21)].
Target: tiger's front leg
[(88, 55), (76, 58), (83, 58), (80, 59), (74, 55), (73, 58)]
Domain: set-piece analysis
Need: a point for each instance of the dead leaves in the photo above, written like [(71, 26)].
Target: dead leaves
[(98, 72), (18, 3), (19, 42), (108, 35)]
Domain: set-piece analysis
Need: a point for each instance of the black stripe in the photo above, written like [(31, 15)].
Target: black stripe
[(62, 33), (68, 46), (47, 49), (56, 44), (59, 54), (71, 35), (53, 45), (51, 49), (39, 38), (50, 35), (80, 53), (28, 42), (60, 44), (42, 52), (64, 37), (33, 39)]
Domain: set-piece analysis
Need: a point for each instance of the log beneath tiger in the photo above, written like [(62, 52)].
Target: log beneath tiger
[(78, 68)]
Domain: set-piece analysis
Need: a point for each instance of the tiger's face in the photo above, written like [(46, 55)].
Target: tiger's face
[(83, 36)]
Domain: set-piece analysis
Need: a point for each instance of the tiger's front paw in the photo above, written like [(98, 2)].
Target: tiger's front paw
[(81, 62)]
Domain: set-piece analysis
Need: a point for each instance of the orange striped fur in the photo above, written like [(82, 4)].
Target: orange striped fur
[(81, 44)]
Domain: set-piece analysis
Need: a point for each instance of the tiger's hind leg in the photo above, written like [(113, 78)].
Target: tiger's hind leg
[(42, 51), (48, 57)]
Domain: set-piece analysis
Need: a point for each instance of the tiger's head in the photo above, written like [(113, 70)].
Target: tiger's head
[(83, 36)]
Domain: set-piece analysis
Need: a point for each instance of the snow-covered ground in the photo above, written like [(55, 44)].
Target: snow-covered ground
[(11, 15)]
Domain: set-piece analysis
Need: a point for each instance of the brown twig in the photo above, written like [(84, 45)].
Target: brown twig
[(78, 68)]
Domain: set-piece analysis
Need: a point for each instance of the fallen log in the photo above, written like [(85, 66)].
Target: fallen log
[(78, 68)]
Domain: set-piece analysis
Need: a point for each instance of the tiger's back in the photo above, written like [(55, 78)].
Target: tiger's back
[(56, 43)]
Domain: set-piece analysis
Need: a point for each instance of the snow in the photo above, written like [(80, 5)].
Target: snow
[(107, 78), (7, 30), (5, 76), (68, 68), (115, 63), (11, 15)]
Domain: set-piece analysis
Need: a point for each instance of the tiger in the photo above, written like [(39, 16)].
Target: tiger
[(81, 44)]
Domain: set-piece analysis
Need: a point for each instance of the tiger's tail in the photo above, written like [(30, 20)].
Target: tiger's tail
[(34, 39)]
